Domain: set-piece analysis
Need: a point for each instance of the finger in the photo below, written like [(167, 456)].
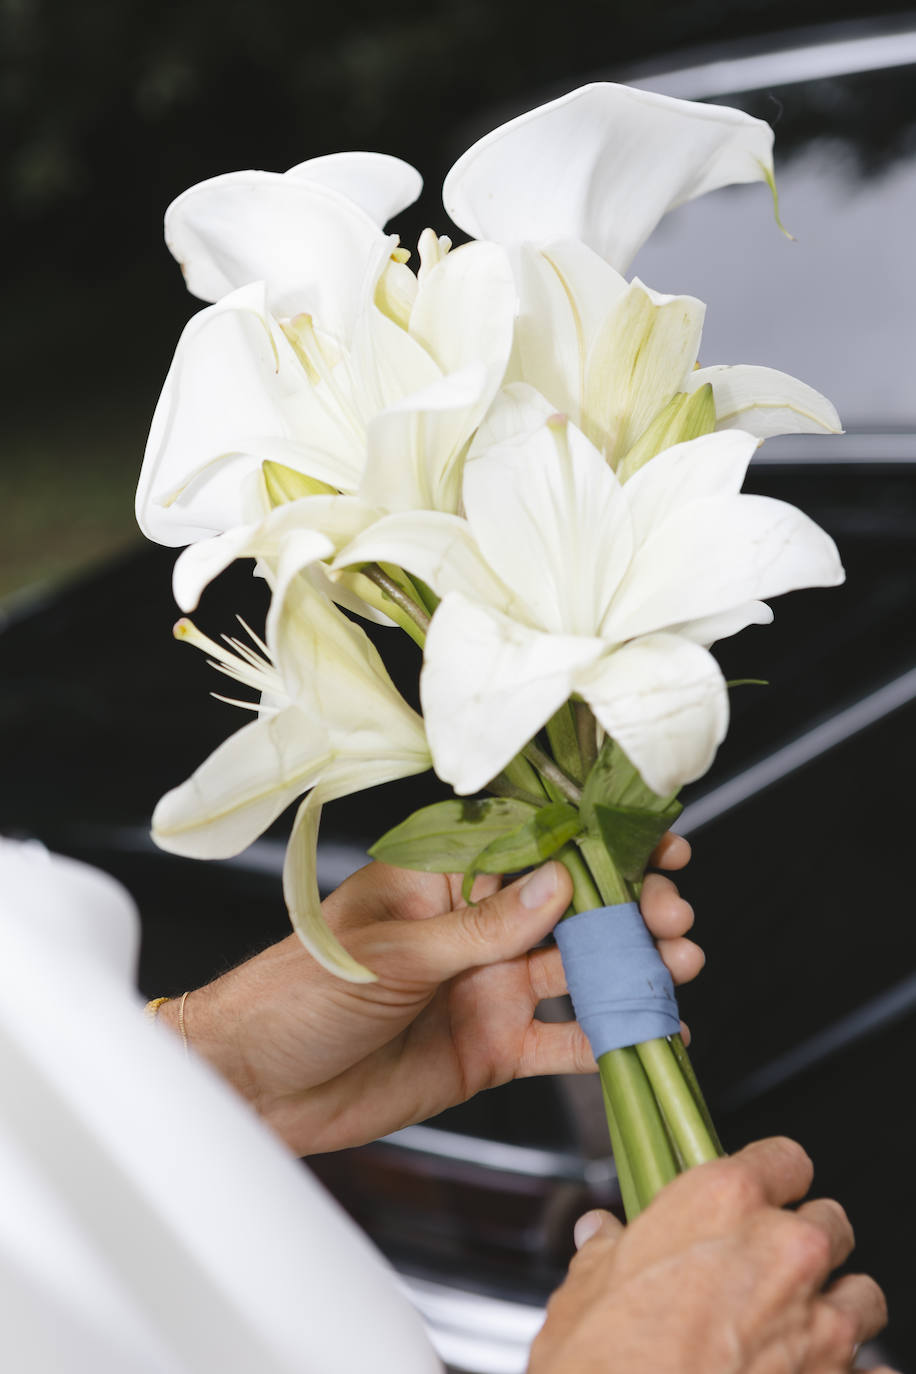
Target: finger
[(502, 926), (596, 1223), (830, 1218), (546, 973), (686, 1035), (552, 1047), (778, 1166), (672, 851), (861, 1299), (682, 958), (663, 908)]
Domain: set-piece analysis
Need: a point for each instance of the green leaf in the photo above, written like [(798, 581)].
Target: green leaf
[(448, 836), (629, 835), (615, 781), (531, 843), (564, 741), (747, 682)]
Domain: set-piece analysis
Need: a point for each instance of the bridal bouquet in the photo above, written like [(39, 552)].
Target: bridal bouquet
[(512, 454)]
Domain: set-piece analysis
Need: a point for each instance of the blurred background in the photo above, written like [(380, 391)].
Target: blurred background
[(805, 1019)]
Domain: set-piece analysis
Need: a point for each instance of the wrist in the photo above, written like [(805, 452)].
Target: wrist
[(200, 1021)]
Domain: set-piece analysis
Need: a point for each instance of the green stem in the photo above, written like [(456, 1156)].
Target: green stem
[(648, 1152), (678, 1105), (552, 773), (586, 896), (628, 1192), (397, 594), (679, 1050), (611, 885)]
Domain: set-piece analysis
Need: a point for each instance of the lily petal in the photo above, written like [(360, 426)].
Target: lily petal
[(332, 668), (716, 554), (300, 882), (664, 700), (236, 393), (415, 448), (488, 684), (380, 184), (696, 470), (641, 357), (765, 402), (316, 249), (565, 544), (465, 310), (711, 628), (243, 786), (329, 522), (603, 165), (434, 546)]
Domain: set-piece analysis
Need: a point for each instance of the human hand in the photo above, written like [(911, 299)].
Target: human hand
[(715, 1278), (331, 1064)]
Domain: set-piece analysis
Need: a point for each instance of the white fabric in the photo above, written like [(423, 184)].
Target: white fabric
[(150, 1223)]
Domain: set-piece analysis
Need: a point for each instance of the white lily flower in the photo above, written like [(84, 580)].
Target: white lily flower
[(388, 414), (564, 581), (329, 721), (612, 355)]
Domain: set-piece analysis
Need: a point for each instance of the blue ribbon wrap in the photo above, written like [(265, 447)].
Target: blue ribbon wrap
[(621, 991)]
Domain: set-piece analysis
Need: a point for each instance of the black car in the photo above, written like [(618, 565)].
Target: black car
[(804, 1022)]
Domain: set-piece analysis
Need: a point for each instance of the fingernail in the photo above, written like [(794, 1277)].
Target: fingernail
[(586, 1227), (538, 887)]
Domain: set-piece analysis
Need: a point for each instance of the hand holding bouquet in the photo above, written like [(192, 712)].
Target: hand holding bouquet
[(513, 456)]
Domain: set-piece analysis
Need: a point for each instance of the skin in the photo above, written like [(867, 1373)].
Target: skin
[(715, 1277), (330, 1064)]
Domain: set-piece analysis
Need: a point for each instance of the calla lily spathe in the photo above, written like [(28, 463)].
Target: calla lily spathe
[(329, 722), (562, 581)]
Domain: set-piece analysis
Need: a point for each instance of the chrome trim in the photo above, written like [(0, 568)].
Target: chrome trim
[(472, 1332), (837, 729), (783, 67), (501, 1158), (877, 1014), (865, 447)]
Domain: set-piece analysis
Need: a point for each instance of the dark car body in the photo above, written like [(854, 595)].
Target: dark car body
[(804, 1021)]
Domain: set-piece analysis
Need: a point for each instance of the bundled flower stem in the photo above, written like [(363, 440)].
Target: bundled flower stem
[(658, 1121)]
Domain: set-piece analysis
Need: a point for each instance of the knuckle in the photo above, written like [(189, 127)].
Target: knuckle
[(842, 1333), (481, 923), (805, 1247), (732, 1186)]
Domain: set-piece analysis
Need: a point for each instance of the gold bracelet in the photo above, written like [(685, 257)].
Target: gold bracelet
[(152, 1011), (181, 1022)]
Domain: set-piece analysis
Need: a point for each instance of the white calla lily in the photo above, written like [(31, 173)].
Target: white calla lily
[(313, 234), (565, 581), (602, 165), (329, 718)]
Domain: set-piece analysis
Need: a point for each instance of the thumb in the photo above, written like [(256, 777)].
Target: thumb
[(603, 1225), (499, 927)]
